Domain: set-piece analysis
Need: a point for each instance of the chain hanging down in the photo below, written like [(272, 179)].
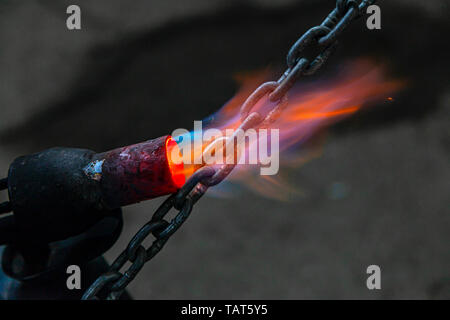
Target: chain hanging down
[(111, 284)]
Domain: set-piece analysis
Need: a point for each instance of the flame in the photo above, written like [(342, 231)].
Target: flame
[(312, 106)]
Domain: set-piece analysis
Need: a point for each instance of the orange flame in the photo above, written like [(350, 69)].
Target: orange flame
[(313, 105)]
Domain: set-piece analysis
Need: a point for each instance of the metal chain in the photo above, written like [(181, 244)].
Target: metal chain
[(324, 37)]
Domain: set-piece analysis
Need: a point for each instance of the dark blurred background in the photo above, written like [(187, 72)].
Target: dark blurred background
[(140, 69)]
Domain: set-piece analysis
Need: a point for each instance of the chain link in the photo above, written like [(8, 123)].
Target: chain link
[(111, 284)]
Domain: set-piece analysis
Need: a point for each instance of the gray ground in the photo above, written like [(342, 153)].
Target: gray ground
[(143, 68)]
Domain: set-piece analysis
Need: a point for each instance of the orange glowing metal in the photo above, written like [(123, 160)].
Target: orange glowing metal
[(176, 169)]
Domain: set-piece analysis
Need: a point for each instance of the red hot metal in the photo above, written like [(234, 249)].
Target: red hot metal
[(137, 172)]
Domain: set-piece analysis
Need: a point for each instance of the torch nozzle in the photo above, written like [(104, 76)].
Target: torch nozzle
[(71, 189)]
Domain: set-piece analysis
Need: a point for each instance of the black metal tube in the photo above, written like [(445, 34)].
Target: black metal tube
[(61, 192)]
